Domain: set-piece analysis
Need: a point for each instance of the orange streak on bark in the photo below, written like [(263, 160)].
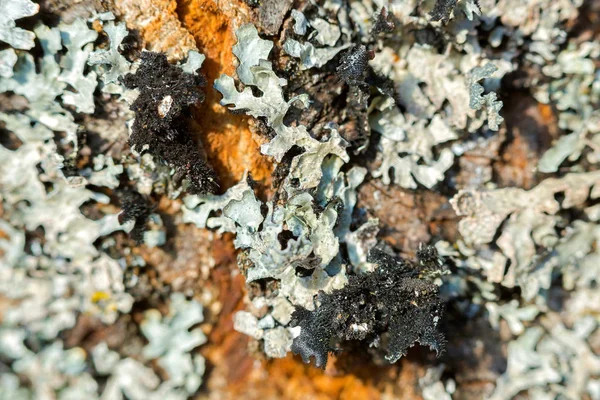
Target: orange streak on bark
[(157, 22), (230, 145)]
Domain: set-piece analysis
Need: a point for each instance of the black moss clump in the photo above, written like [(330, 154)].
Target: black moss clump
[(136, 208), (383, 23), (354, 65), (442, 10), (162, 110), (392, 307)]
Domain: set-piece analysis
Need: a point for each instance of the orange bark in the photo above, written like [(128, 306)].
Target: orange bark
[(157, 22)]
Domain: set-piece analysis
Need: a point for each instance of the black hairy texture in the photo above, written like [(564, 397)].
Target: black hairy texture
[(135, 207), (354, 71), (442, 10), (69, 167), (354, 65), (161, 116), (132, 45), (428, 258), (391, 306), (383, 22)]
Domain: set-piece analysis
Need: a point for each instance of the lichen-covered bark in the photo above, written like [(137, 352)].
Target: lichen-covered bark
[(178, 26), (200, 261)]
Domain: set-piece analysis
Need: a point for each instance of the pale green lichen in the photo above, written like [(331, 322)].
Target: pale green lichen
[(478, 100), (531, 220), (171, 342), (13, 10), (112, 62), (575, 90), (311, 56), (8, 59), (272, 106), (64, 79)]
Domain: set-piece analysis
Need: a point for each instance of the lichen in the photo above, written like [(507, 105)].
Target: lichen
[(9, 32), (171, 341)]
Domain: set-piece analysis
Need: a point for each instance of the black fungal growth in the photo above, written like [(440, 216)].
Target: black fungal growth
[(135, 208), (442, 10), (383, 23), (391, 308), (162, 109), (354, 65)]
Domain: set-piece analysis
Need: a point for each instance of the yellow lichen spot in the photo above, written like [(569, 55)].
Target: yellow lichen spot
[(99, 296)]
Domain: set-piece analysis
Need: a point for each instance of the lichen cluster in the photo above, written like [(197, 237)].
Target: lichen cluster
[(355, 102), (56, 265)]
